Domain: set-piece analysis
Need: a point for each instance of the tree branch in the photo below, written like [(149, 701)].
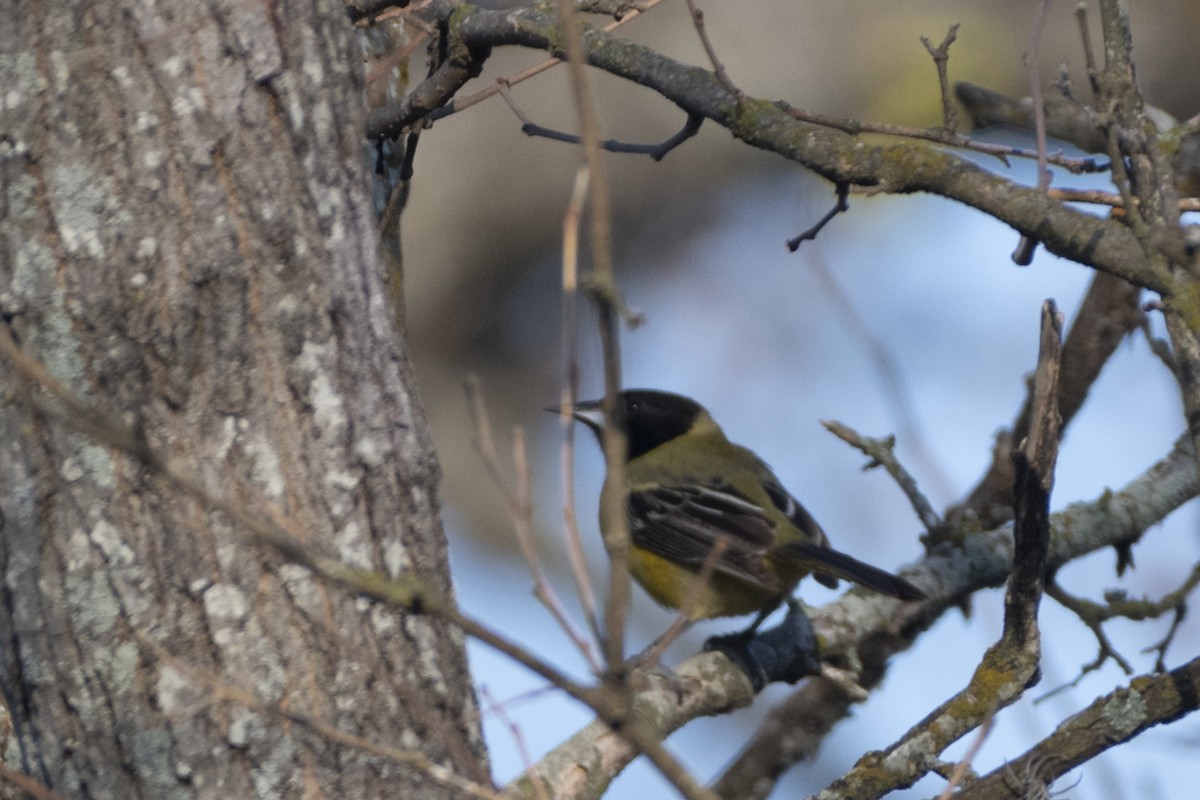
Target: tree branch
[(900, 168), (1110, 720), (862, 628), (1010, 665)]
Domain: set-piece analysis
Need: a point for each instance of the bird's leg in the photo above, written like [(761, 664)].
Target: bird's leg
[(648, 659), (763, 613), (787, 652)]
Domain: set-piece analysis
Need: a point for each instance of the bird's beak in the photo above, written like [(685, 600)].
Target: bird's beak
[(588, 412)]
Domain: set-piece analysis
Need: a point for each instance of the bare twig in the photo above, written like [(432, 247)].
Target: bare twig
[(463, 103), (1099, 197), (1160, 662), (718, 67), (520, 509), (964, 766), (613, 503), (568, 396), (941, 61), (541, 791), (1077, 166), (1118, 605), (882, 453), (841, 206), (1023, 255), (1089, 55), (620, 715), (33, 788), (656, 151), (1033, 62), (683, 618), (1092, 616)]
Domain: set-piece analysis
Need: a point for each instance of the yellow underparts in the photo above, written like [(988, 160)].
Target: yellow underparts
[(669, 584)]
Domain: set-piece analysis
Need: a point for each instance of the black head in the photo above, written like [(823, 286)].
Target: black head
[(648, 417)]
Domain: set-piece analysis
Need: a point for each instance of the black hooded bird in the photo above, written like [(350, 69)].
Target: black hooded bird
[(689, 487)]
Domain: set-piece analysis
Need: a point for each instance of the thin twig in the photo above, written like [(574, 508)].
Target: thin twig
[(718, 67), (895, 390), (520, 510), (1102, 198), (613, 503), (463, 103), (1089, 55), (1023, 255), (882, 453), (1118, 605), (35, 789), (514, 731), (656, 151), (683, 619), (1160, 647), (941, 61), (964, 766), (839, 207), (1077, 166), (568, 396)]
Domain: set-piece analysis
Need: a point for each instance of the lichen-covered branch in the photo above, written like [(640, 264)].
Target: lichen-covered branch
[(898, 168), (1144, 172), (1111, 720)]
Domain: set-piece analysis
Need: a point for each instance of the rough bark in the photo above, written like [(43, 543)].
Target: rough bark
[(188, 242)]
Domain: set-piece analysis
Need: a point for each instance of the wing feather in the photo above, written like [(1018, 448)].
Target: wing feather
[(683, 523)]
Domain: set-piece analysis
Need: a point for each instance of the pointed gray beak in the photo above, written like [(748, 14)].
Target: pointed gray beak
[(588, 412)]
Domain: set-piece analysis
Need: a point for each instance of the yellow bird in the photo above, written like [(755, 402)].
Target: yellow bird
[(690, 487)]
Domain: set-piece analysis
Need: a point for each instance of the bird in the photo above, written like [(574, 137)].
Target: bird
[(689, 487)]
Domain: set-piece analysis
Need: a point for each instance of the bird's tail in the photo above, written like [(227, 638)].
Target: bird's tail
[(827, 563)]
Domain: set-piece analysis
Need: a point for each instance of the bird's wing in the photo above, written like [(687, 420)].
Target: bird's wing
[(683, 523), (798, 515)]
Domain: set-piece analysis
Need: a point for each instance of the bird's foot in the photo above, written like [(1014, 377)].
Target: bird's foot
[(787, 652)]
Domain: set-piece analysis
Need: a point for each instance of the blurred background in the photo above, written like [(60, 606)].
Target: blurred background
[(905, 316)]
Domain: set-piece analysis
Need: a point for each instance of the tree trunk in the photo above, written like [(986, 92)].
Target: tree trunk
[(188, 243)]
